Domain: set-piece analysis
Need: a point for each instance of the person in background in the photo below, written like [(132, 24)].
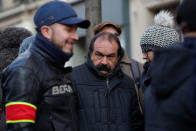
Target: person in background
[(37, 87), (107, 98), (170, 101), (130, 67), (160, 35), (10, 39)]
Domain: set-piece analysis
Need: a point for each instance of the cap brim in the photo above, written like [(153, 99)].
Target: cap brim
[(82, 23)]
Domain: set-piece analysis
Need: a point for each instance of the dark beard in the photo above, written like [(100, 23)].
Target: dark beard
[(102, 67)]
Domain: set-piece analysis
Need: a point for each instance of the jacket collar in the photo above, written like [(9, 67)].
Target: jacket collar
[(49, 50)]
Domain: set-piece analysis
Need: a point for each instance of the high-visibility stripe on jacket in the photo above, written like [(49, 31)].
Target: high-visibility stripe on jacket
[(39, 77), (17, 112)]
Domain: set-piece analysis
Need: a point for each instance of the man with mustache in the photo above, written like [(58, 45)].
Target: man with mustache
[(107, 98), (129, 66)]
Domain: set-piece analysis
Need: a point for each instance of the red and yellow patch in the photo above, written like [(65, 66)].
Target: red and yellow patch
[(1, 111), (19, 112)]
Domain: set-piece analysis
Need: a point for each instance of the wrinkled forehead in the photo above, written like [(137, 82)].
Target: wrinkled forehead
[(104, 39), (109, 38), (105, 46)]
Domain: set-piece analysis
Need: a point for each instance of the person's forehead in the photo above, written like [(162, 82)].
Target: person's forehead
[(105, 45)]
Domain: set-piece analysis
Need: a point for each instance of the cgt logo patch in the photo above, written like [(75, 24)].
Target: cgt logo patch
[(62, 89)]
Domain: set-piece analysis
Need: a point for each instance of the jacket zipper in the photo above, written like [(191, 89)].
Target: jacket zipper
[(107, 83), (107, 99)]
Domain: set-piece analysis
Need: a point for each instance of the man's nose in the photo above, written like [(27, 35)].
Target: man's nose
[(75, 36), (104, 60), (144, 56)]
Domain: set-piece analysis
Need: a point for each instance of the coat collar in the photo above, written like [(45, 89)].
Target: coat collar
[(50, 50)]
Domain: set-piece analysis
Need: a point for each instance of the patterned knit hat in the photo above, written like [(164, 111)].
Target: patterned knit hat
[(161, 34)]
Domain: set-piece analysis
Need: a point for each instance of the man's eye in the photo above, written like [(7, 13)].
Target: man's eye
[(111, 56), (116, 34), (70, 30), (98, 55)]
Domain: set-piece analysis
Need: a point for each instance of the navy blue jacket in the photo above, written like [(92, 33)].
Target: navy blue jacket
[(170, 101), (146, 78), (38, 92), (106, 103)]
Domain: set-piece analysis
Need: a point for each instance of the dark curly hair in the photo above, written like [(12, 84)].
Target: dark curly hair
[(10, 40)]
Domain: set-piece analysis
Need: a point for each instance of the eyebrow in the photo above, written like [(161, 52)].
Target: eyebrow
[(108, 55), (71, 25)]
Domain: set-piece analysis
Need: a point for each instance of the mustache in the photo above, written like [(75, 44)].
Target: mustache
[(102, 67)]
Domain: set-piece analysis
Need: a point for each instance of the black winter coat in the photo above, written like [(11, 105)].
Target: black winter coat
[(38, 94), (107, 103), (170, 102)]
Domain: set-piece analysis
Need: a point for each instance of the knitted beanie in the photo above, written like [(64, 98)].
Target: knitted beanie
[(161, 34)]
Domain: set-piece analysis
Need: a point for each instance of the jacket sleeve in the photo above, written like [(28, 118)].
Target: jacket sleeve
[(137, 121), (21, 87)]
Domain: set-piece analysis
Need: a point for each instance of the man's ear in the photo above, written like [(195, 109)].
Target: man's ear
[(46, 32)]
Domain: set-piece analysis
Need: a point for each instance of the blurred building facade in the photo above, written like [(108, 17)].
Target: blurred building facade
[(133, 15)]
